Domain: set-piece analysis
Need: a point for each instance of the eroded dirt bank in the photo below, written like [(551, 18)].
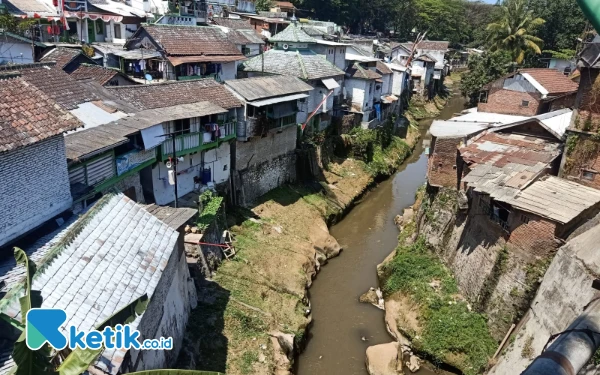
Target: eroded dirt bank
[(253, 312)]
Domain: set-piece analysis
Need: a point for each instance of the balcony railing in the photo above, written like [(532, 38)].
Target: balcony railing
[(192, 142)]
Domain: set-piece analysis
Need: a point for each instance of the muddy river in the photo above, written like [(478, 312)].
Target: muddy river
[(368, 235)]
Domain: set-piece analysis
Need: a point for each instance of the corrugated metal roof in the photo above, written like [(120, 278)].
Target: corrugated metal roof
[(266, 87), (557, 199), (452, 129), (93, 141), (558, 121), (492, 118), (178, 60), (504, 163), (306, 65), (173, 217), (261, 103)]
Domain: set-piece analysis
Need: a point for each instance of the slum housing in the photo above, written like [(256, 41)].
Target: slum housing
[(524, 157), (104, 137)]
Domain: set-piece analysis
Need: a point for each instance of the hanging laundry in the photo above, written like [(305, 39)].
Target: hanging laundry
[(142, 64), (171, 177)]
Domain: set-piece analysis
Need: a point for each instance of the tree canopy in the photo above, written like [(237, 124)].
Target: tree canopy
[(514, 32), (483, 70)]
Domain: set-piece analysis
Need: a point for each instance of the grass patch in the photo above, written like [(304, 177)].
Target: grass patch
[(450, 332), (248, 359), (210, 207)]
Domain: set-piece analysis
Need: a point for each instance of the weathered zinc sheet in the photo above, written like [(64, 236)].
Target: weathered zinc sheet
[(267, 87), (557, 199), (95, 140), (173, 217)]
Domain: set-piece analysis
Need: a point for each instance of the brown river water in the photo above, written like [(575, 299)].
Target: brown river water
[(368, 235)]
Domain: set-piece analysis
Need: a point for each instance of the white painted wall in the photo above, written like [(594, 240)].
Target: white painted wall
[(167, 315), (397, 82), (334, 54), (436, 54), (217, 159), (386, 87), (15, 53), (34, 186)]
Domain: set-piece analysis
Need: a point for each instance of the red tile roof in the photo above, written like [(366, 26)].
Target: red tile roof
[(97, 73), (553, 81), (27, 115), (161, 95), (191, 40), (62, 55), (54, 82), (233, 23)]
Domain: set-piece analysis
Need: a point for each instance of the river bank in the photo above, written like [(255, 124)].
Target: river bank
[(253, 313)]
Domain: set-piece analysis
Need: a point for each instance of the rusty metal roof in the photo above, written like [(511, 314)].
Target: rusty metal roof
[(504, 163), (557, 199)]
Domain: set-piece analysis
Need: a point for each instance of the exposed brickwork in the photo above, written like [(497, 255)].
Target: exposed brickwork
[(511, 103), (536, 236), (34, 186), (442, 163), (583, 161), (567, 101), (588, 102), (27, 115)]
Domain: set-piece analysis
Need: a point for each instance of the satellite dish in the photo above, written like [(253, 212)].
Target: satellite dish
[(148, 77), (285, 46)]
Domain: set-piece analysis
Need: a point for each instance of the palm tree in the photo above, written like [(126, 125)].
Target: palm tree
[(512, 32)]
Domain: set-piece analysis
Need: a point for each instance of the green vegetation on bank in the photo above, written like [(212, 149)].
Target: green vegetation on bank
[(449, 331), (210, 207)]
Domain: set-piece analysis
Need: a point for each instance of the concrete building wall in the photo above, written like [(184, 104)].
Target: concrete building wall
[(15, 53), (218, 160), (264, 163), (397, 83), (511, 103), (562, 296), (356, 90), (34, 186), (334, 54), (386, 86), (167, 314)]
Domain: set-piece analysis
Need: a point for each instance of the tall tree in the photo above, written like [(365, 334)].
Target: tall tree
[(565, 23), (514, 31), (483, 70), (442, 19)]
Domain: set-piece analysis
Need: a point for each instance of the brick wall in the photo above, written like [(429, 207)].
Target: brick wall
[(567, 101), (510, 103), (535, 236), (34, 186), (588, 102), (583, 161), (442, 171)]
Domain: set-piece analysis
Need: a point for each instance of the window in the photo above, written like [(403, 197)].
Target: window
[(525, 103), (117, 33), (589, 175), (525, 219)]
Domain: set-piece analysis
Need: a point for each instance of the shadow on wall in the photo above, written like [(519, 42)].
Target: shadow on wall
[(205, 344)]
